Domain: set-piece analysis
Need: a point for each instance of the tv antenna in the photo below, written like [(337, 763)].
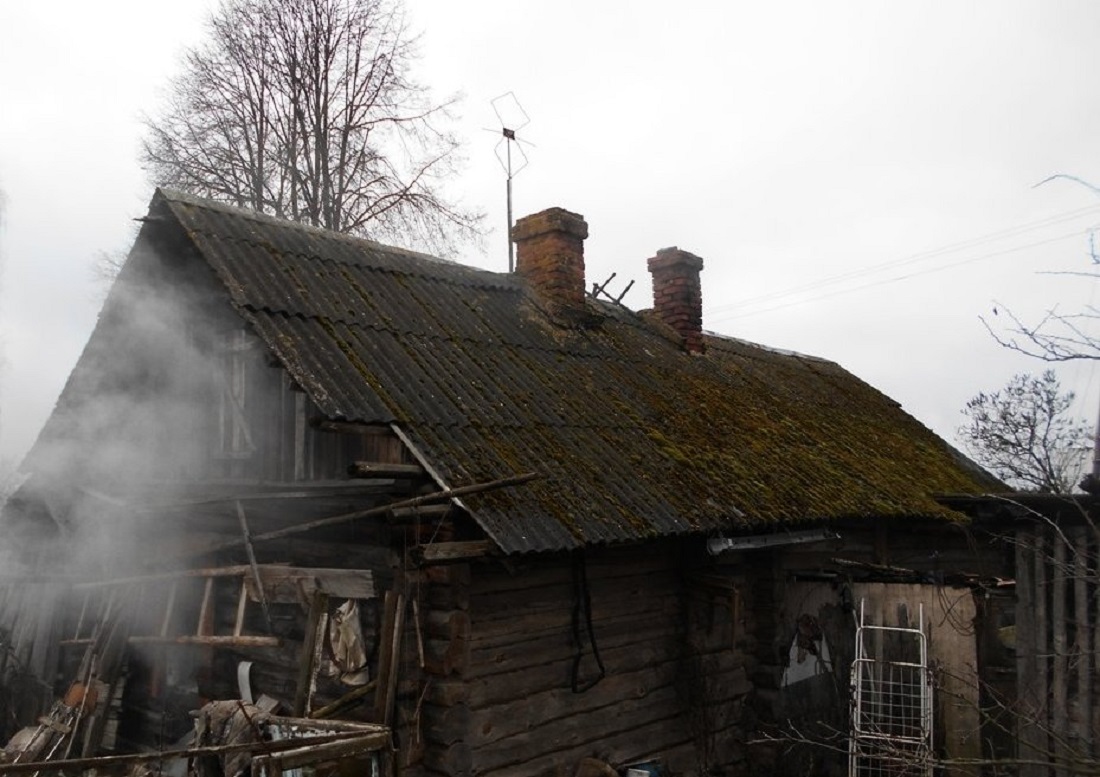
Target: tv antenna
[(512, 119)]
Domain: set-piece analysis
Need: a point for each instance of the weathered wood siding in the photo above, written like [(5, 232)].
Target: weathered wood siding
[(1057, 649), (505, 648)]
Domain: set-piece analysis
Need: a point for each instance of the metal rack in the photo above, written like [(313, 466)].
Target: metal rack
[(891, 701)]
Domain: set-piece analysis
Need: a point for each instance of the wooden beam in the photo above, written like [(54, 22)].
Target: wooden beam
[(379, 469), (348, 427), (347, 699), (332, 751), (164, 755), (254, 566), (389, 659), (413, 514), (243, 640), (454, 551), (318, 608), (427, 499)]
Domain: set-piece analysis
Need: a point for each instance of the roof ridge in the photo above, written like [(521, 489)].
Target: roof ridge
[(175, 195)]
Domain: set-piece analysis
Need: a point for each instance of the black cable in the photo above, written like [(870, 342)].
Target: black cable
[(582, 598)]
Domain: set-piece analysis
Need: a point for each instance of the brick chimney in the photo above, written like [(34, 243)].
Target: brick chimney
[(678, 295), (550, 255)]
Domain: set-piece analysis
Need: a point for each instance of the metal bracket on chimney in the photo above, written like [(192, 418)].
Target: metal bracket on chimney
[(716, 545)]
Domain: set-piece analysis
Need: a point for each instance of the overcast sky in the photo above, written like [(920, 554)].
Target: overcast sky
[(893, 146)]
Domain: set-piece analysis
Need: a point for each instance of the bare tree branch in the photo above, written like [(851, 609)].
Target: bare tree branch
[(1024, 435), (306, 109)]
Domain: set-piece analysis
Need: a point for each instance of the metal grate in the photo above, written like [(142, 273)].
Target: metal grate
[(891, 701)]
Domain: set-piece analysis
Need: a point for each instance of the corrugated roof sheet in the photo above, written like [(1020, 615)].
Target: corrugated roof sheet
[(633, 437)]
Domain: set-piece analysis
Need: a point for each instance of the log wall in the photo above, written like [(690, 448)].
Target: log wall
[(516, 687), (1057, 637)]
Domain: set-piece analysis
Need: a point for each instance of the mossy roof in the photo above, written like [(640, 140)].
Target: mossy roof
[(633, 437)]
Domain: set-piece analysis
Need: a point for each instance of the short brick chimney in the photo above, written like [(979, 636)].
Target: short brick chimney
[(550, 255), (678, 295)]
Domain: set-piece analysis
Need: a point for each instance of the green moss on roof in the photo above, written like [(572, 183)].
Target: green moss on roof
[(634, 438)]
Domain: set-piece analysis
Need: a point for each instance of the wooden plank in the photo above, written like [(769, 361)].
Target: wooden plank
[(253, 566), (237, 640), (381, 469), (205, 626), (332, 751), (1027, 662), (300, 431), (242, 603), (1094, 656), (650, 687), (414, 514), (344, 701), (345, 427), (626, 734), (381, 510), (1042, 720), (644, 629), (1058, 575), (317, 610), (104, 761), (455, 551), (1082, 649), (393, 623)]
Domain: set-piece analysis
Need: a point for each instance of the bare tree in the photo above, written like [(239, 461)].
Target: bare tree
[(306, 109), (1057, 336), (1024, 434)]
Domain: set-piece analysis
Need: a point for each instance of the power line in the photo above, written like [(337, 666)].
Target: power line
[(1059, 218), (928, 271)]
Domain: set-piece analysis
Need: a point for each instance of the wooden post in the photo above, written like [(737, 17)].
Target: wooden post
[(389, 658), (1028, 735), (1082, 648), (1042, 721), (1059, 676), (317, 609)]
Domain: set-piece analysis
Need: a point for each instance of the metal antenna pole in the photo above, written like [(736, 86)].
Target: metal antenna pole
[(512, 118), (511, 246)]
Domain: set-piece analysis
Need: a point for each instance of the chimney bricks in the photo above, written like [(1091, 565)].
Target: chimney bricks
[(550, 255), (678, 294)]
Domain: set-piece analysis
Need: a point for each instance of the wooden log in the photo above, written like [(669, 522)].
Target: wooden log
[(237, 640), (380, 469), (520, 654), (439, 552), (650, 689), (551, 622), (414, 514), (447, 648), (104, 761), (635, 736), (607, 592), (344, 701), (330, 751), (492, 690), (555, 570), (336, 520), (345, 427), (453, 761)]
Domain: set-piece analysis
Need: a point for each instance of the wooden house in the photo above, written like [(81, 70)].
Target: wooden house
[(571, 530)]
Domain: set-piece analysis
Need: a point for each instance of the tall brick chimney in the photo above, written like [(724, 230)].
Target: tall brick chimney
[(550, 255), (678, 295)]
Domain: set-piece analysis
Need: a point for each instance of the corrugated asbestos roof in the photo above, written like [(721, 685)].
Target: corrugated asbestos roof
[(633, 437)]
